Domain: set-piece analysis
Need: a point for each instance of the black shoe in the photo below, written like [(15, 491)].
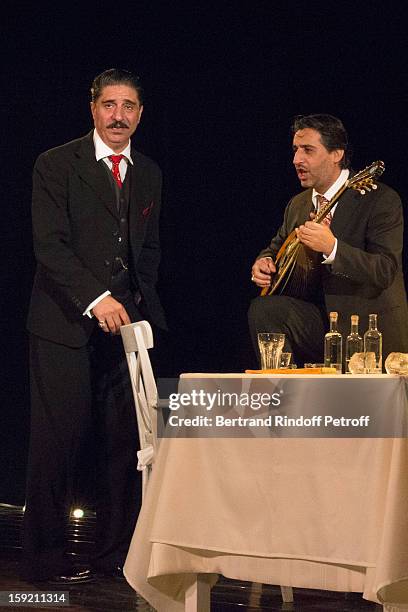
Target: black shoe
[(74, 577), (115, 572)]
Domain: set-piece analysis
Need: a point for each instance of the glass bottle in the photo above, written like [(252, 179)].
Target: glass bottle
[(354, 342), (373, 344), (333, 343)]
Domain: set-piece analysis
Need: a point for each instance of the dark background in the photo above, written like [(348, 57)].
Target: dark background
[(223, 82)]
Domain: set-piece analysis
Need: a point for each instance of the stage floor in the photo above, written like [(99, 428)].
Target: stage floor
[(110, 595)]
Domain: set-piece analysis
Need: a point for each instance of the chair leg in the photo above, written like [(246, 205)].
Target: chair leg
[(287, 594), (197, 598)]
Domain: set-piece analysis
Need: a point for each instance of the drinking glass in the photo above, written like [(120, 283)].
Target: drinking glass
[(285, 360), (270, 346)]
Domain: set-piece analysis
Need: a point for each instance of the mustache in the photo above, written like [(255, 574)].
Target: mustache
[(118, 124)]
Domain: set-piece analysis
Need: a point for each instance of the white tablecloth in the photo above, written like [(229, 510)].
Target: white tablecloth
[(313, 513)]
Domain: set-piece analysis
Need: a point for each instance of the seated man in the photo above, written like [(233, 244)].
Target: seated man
[(357, 252)]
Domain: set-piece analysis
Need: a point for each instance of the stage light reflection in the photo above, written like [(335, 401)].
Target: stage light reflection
[(78, 513)]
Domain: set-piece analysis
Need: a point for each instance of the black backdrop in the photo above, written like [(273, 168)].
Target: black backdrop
[(223, 81)]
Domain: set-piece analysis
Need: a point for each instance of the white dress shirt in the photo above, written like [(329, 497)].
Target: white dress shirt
[(102, 151)]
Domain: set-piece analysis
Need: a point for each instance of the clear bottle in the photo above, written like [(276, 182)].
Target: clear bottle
[(333, 344), (373, 344), (354, 342)]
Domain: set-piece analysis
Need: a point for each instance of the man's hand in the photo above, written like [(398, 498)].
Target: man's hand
[(262, 271), (317, 236), (111, 313)]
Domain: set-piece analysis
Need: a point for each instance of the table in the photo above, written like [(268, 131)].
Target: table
[(312, 513)]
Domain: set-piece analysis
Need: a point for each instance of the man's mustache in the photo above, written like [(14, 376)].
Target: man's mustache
[(118, 124)]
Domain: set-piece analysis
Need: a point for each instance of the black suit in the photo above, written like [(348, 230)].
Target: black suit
[(365, 277), (75, 234), (79, 380)]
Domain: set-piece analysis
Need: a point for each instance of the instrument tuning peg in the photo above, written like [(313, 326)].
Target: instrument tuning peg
[(374, 186)]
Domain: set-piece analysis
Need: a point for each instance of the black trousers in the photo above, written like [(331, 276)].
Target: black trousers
[(303, 323), (78, 394)]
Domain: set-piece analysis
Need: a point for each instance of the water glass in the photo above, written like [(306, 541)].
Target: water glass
[(270, 347)]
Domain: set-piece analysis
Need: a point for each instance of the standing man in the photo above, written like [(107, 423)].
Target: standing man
[(96, 204), (357, 254)]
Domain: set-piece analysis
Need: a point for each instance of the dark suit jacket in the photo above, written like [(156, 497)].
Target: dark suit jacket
[(75, 227), (366, 275)]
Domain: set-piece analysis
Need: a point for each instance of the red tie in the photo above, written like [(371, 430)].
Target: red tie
[(322, 201), (115, 159)]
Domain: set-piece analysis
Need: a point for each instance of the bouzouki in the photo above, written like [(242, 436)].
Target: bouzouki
[(293, 259)]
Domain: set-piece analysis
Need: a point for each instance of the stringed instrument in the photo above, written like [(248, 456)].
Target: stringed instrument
[(294, 262)]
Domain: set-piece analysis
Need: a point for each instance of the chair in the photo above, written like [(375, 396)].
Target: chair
[(137, 339)]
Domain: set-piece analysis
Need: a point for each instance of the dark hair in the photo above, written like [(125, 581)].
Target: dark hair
[(113, 76), (332, 132)]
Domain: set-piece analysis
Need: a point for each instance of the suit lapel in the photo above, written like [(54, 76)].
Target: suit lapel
[(139, 195), (94, 174), (346, 212)]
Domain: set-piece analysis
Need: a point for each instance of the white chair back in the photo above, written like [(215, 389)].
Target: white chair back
[(137, 339)]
